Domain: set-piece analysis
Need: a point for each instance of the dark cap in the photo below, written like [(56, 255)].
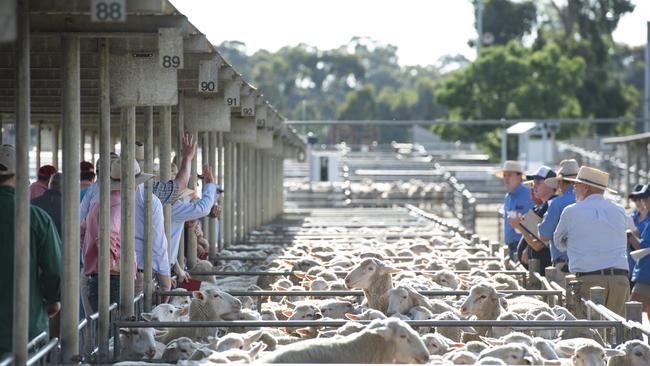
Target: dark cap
[(86, 167), (543, 172), (46, 171)]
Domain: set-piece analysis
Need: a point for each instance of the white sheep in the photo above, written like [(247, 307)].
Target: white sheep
[(590, 354), (210, 304), (368, 314), (382, 341), (179, 301), (514, 354), (336, 309), (167, 313), (460, 357), (637, 353), (237, 341), (137, 343), (438, 344), (179, 349), (374, 278)]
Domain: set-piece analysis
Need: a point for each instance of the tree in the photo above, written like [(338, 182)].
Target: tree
[(511, 81), (505, 20)]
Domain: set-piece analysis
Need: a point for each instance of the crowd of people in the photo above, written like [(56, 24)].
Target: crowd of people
[(563, 219), (187, 208)]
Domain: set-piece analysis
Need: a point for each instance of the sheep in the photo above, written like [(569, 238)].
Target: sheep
[(447, 278), (336, 309), (402, 298), (137, 343), (237, 341), (454, 333), (461, 357), (368, 314), (374, 278), (179, 349), (232, 355), (179, 301), (382, 341), (503, 331), (590, 354), (491, 361), (514, 354), (637, 353), (438, 344), (166, 313), (208, 304)]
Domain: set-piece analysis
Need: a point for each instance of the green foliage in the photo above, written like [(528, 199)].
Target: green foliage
[(521, 17), (546, 59)]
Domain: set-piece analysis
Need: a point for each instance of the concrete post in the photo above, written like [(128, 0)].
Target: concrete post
[(71, 108), (533, 269), (147, 282), (229, 191), (104, 201), (127, 229), (191, 242), (180, 124), (597, 296), (205, 157), (634, 312), (56, 131), (22, 208), (241, 170), (39, 143), (212, 161), (165, 160), (220, 175)]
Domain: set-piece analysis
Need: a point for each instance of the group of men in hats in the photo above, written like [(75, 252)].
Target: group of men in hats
[(562, 219)]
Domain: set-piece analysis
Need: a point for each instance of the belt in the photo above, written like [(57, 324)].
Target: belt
[(605, 272)]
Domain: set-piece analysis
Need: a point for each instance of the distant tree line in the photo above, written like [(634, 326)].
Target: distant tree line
[(539, 59)]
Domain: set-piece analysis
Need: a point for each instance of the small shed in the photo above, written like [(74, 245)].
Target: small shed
[(536, 143)]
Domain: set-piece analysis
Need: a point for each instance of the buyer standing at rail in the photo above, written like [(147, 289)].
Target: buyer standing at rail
[(518, 199), (593, 232)]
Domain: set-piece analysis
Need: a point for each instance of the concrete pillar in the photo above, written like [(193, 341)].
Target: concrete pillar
[(205, 158), (191, 242), (71, 108), (220, 168), (634, 312), (56, 131), (22, 207), (127, 229), (226, 227), (165, 164), (240, 191), (180, 125), (39, 143), (148, 236), (104, 200), (212, 161)]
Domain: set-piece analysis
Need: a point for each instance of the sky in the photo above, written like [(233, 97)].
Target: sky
[(423, 30)]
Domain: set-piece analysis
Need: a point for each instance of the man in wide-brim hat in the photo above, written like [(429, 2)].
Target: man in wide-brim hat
[(593, 231), (517, 201), (565, 197)]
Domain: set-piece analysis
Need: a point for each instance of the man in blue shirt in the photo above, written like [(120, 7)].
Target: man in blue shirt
[(518, 200), (568, 169)]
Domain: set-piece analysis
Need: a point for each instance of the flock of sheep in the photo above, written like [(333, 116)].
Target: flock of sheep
[(392, 265)]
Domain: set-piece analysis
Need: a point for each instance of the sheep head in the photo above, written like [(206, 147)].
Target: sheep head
[(481, 297), (362, 275), (214, 302), (137, 343), (402, 298), (408, 347)]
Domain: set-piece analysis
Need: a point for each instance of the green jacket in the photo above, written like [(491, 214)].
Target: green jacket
[(44, 268)]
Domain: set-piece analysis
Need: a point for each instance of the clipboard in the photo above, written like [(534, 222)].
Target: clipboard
[(529, 223)]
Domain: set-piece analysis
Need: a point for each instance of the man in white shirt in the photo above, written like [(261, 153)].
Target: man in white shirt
[(593, 231)]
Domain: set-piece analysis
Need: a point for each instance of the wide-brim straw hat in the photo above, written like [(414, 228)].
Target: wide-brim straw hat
[(568, 169), (186, 192), (510, 166), (592, 177), (116, 174)]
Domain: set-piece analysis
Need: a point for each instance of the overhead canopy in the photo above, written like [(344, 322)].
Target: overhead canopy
[(636, 138)]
